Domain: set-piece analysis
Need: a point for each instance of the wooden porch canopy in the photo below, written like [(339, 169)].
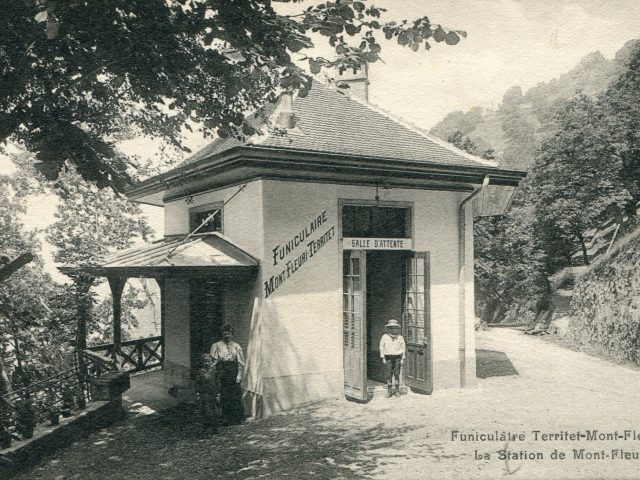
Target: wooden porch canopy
[(205, 254), (208, 255)]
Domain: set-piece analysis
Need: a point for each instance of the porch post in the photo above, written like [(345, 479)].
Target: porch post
[(117, 286), (161, 284)]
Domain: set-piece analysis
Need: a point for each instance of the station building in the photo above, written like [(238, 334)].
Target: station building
[(333, 219)]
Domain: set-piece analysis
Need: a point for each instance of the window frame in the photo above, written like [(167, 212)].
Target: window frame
[(409, 228), (194, 211)]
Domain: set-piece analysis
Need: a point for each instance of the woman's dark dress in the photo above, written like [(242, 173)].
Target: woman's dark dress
[(229, 363)]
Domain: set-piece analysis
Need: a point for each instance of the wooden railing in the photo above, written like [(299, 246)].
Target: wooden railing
[(24, 408), (53, 393), (134, 356), (97, 364)]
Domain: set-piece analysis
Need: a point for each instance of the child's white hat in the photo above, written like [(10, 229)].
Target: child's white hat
[(392, 323)]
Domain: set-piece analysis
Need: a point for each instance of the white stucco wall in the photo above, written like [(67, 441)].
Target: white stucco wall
[(242, 224), (305, 313), (293, 337), (242, 215), (470, 314)]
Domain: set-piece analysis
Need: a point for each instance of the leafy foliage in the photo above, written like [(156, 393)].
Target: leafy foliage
[(526, 119), (32, 330), (101, 325), (584, 173), (39, 319), (622, 111), (501, 281), (91, 222), (457, 139), (577, 177), (35, 338), (16, 297), (77, 75), (509, 263), (14, 238), (604, 307), (519, 128)]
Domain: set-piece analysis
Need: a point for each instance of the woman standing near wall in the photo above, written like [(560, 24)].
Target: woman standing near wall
[(229, 360)]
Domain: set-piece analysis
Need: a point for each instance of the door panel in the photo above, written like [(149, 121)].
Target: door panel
[(416, 323), (353, 324)]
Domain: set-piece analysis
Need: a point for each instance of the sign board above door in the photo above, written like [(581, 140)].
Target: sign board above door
[(363, 243)]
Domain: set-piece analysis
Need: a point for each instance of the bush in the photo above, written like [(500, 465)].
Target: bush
[(25, 418)]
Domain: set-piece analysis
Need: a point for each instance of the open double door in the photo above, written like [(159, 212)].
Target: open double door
[(415, 323)]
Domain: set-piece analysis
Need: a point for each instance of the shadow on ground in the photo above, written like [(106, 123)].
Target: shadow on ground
[(312, 443), (491, 363)]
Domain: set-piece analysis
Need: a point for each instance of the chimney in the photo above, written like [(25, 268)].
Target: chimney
[(286, 117), (357, 79)]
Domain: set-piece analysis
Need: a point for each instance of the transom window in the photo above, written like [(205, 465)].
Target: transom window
[(374, 221)]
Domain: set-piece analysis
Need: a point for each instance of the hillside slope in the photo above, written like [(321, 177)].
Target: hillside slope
[(524, 119), (605, 309)]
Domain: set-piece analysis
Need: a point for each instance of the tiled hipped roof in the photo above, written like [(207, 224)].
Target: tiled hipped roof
[(330, 121)]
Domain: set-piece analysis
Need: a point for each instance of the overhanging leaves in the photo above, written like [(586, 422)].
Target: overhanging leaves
[(77, 76)]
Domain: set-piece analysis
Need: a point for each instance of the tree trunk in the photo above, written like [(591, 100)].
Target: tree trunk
[(84, 307), (585, 254), (5, 383), (81, 345), (17, 350), (6, 406), (13, 266), (489, 309)]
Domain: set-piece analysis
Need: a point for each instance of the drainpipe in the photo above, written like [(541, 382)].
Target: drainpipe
[(462, 233)]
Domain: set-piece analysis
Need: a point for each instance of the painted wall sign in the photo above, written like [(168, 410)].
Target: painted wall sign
[(280, 251), (362, 243), (300, 248)]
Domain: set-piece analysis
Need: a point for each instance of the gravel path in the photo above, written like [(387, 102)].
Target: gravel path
[(557, 390)]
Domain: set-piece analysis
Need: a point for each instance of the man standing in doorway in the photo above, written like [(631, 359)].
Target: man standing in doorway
[(392, 353)]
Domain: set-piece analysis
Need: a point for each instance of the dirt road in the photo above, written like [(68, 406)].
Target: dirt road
[(558, 392)]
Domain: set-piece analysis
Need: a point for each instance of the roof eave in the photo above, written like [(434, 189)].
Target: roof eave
[(163, 271), (143, 191)]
